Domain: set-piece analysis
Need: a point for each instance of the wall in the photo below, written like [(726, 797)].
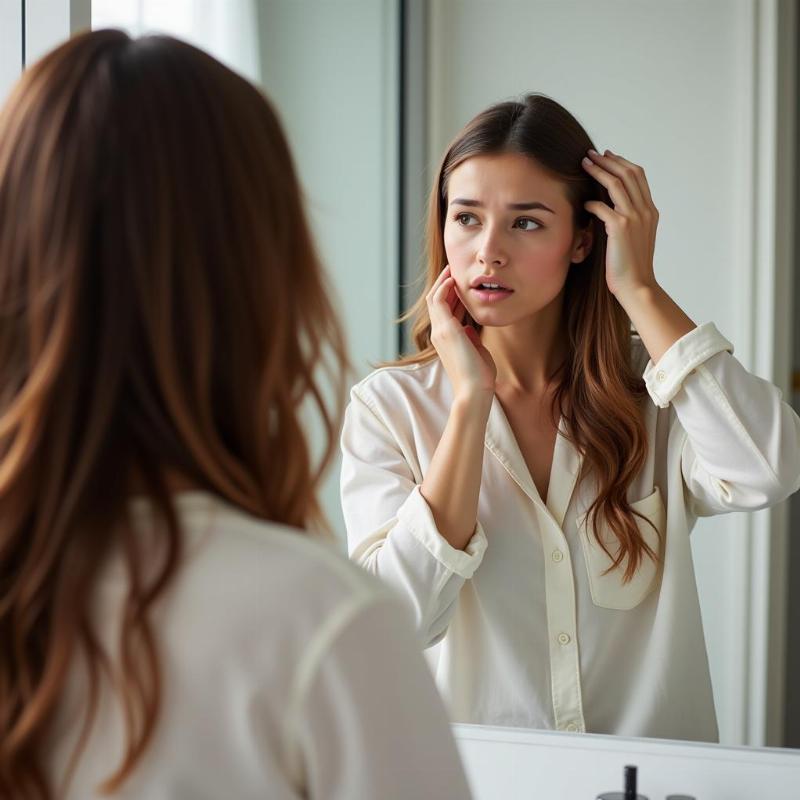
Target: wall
[(10, 44)]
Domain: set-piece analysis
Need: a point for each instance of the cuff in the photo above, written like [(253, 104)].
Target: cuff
[(417, 517), (665, 379)]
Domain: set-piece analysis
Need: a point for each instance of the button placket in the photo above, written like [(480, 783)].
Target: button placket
[(560, 596)]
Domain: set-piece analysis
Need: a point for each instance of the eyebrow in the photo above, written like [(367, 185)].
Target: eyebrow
[(526, 206)]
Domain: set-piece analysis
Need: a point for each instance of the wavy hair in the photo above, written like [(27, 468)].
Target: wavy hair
[(162, 312), (597, 390)]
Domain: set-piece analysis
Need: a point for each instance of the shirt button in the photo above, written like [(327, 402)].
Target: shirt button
[(572, 727), (557, 556), (563, 638), (661, 375)]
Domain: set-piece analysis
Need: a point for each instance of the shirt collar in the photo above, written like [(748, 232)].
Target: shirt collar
[(566, 467)]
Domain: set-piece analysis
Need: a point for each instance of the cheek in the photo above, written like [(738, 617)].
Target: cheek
[(453, 240), (544, 258), (458, 251)]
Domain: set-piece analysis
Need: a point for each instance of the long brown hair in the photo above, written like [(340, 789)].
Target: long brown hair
[(162, 310), (597, 390)]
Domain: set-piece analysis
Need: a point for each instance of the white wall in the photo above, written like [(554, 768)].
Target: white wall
[(676, 87), (10, 44)]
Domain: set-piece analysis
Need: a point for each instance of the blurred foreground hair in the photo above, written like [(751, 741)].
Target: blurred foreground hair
[(162, 312)]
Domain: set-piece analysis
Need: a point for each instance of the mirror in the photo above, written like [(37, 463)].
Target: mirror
[(370, 94)]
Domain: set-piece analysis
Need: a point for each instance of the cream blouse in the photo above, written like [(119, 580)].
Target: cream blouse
[(522, 627), (287, 673)]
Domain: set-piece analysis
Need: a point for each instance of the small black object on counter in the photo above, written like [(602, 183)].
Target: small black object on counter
[(630, 788)]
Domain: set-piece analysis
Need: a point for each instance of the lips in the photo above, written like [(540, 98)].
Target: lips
[(489, 284), (491, 287), (486, 295)]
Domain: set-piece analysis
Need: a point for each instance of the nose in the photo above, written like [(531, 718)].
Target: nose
[(490, 250)]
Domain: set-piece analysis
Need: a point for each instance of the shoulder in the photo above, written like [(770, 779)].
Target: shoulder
[(272, 562), (405, 375), (252, 614), (243, 577), (402, 385)]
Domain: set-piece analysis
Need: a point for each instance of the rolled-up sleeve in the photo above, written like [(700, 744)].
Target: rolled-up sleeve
[(391, 531), (741, 451)]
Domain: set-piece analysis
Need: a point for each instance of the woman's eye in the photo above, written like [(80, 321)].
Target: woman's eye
[(527, 224), (465, 219)]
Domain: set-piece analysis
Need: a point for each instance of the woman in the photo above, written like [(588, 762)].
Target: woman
[(529, 477), (168, 631)]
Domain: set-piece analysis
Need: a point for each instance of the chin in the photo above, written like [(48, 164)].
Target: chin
[(488, 318)]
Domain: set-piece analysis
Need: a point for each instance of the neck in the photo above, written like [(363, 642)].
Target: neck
[(527, 353)]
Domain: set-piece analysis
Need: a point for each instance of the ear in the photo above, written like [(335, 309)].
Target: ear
[(582, 244)]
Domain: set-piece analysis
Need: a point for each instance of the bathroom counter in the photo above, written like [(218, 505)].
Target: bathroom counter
[(521, 764)]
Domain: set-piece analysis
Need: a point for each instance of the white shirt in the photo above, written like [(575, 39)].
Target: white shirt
[(522, 627), (288, 673)]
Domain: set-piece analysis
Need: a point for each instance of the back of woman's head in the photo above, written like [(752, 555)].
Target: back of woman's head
[(162, 312), (596, 387)]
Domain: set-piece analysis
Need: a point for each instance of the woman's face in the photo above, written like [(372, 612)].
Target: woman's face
[(509, 222)]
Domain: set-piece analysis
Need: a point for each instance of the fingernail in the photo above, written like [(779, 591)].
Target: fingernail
[(594, 152), (587, 161)]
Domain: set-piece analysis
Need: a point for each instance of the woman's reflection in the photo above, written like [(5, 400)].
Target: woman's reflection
[(529, 477)]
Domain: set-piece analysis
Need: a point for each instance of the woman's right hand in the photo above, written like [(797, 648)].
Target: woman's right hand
[(468, 364)]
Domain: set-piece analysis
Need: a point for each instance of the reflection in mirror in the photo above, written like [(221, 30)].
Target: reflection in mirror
[(481, 509), (719, 166), (564, 460)]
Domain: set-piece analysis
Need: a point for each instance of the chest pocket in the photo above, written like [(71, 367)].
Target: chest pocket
[(608, 590)]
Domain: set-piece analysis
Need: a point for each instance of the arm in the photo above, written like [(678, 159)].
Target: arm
[(453, 480), (391, 529), (371, 723), (742, 448), (742, 445), (423, 539)]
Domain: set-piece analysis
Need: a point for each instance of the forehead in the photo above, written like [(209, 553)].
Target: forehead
[(506, 178)]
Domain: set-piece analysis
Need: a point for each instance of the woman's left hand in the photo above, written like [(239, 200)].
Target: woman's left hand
[(630, 225)]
